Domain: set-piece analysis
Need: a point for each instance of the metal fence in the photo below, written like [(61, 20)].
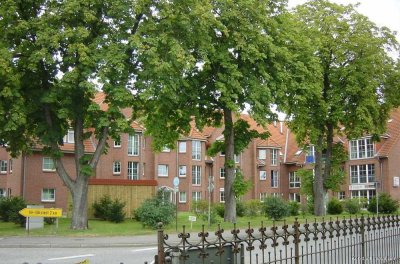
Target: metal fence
[(358, 240)]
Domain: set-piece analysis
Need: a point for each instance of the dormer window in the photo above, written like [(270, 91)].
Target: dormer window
[(69, 137)]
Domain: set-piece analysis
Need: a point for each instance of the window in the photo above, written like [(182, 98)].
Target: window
[(162, 170), (294, 197), (236, 158), (11, 165), (294, 180), (133, 170), (361, 148), (196, 175), (363, 194), (342, 195), (276, 194), (196, 196), (116, 167), (222, 173), (182, 197), (133, 145), (196, 150), (263, 175), (69, 137), (274, 157), (262, 154), (310, 155), (362, 173), (48, 195), (3, 193), (182, 146), (166, 149), (117, 143), (182, 171), (274, 179), (3, 166), (263, 196), (222, 195), (48, 164)]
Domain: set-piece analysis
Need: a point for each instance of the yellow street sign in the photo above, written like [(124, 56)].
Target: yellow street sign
[(41, 212)]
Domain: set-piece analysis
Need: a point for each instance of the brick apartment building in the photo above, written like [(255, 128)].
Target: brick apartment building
[(270, 164)]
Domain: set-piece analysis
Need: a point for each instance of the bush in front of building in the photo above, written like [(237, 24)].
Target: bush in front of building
[(155, 210), (9, 209), (108, 209), (294, 208), (199, 207), (240, 208), (275, 208), (335, 207), (219, 208), (386, 204), (253, 207), (352, 206)]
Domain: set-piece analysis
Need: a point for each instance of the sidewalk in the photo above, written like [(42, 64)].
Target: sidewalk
[(78, 242)]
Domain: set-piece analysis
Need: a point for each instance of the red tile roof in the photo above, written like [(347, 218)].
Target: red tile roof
[(392, 134)]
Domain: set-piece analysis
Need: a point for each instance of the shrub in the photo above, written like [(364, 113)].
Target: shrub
[(107, 209), (155, 210), (352, 206), (199, 207), (335, 207), (49, 220), (294, 208), (275, 208), (9, 209), (219, 209), (253, 207), (240, 208), (386, 205)]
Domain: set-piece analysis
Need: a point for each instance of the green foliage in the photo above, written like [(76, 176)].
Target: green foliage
[(253, 207), (275, 208), (240, 208), (199, 207), (155, 210), (107, 209), (50, 220), (307, 181), (9, 209), (352, 206), (219, 209), (294, 208), (335, 207), (386, 204), (337, 176), (240, 185)]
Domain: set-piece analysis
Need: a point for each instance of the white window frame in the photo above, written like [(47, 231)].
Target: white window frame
[(262, 175), (133, 144), (262, 154), (294, 180), (221, 195), (182, 197), (3, 192), (196, 196), (3, 166), (133, 170), (69, 137), (10, 165), (182, 171), (117, 143), (166, 149), (362, 148), (274, 157), (356, 173), (222, 173), (274, 179), (116, 167), (196, 150), (263, 196), (196, 175), (369, 194), (45, 164), (236, 158), (182, 146), (163, 168), (52, 196), (294, 196), (342, 195)]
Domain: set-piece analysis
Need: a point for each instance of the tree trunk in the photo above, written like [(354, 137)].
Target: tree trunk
[(230, 202), (79, 219), (318, 187)]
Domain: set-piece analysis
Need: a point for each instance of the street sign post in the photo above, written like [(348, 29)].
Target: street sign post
[(176, 189), (41, 212)]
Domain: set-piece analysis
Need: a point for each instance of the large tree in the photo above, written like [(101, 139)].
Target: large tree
[(355, 82), (212, 60), (55, 55)]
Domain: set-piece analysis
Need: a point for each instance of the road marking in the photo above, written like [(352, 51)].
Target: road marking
[(72, 257), (143, 249)]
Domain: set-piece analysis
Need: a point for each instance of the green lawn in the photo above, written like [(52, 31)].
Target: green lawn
[(131, 227)]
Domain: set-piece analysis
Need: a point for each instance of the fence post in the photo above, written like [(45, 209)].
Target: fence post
[(296, 242), (362, 229), (160, 244)]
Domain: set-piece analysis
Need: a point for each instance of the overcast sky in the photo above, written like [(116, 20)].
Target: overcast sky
[(381, 12)]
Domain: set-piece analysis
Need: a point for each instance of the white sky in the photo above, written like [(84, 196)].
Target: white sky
[(381, 12)]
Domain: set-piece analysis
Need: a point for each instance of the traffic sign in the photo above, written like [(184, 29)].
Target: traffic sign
[(41, 212), (176, 182)]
